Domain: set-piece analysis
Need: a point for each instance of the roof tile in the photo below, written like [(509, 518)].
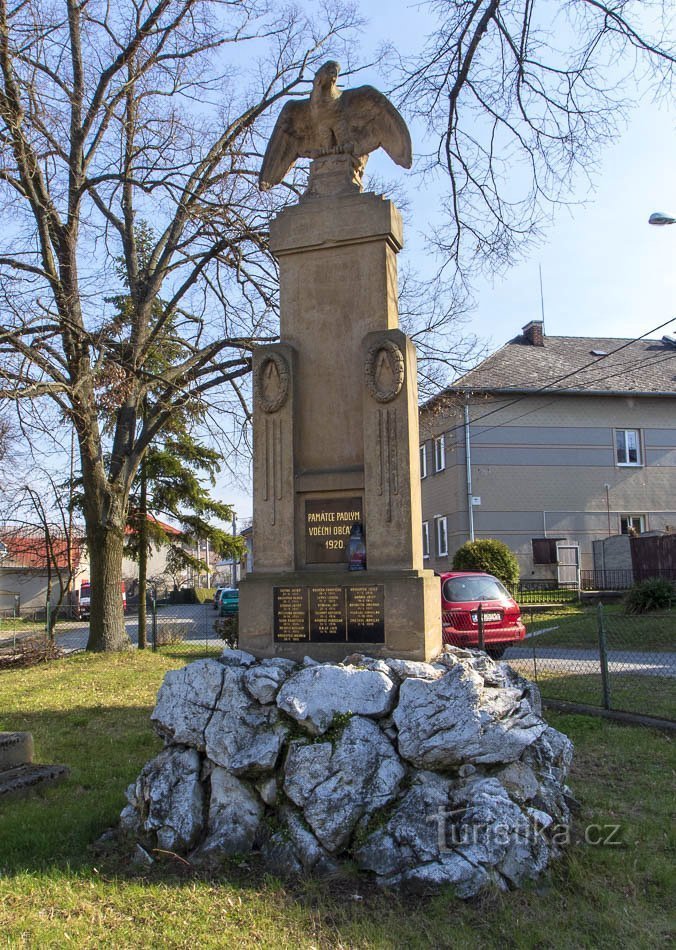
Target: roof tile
[(568, 364)]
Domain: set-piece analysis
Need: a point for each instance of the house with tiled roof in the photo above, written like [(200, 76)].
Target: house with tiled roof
[(551, 442), (31, 564), (157, 564)]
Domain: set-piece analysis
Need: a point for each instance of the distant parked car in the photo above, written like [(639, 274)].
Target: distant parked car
[(229, 602), (217, 597), (461, 594), (83, 600)]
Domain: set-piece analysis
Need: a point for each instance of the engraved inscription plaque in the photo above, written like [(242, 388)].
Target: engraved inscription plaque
[(327, 615), (290, 614), (328, 522), (354, 614), (365, 614)]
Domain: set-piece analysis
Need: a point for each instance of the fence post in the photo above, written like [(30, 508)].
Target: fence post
[(154, 617), (603, 656), (480, 621), (535, 660)]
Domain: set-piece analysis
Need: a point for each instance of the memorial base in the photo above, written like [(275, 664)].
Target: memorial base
[(329, 614)]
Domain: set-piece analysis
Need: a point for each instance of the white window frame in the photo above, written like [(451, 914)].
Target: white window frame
[(632, 517), (423, 460), (442, 548), (625, 447), (426, 540), (439, 453)]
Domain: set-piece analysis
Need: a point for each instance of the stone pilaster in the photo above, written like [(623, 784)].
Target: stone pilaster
[(273, 457)]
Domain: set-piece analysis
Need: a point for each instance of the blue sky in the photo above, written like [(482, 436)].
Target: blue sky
[(605, 271)]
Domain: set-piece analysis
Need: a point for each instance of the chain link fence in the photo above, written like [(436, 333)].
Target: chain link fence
[(24, 638), (601, 656), (192, 630), (189, 630), (594, 656)]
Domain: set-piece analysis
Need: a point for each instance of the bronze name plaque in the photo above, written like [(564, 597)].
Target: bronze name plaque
[(353, 614), (327, 615), (290, 614), (328, 522)]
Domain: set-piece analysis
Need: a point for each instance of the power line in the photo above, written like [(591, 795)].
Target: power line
[(651, 361), (565, 389), (547, 386)]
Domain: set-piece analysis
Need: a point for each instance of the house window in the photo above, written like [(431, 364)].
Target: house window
[(632, 524), (426, 539), (423, 460), (439, 454), (627, 447), (544, 550), (442, 536)]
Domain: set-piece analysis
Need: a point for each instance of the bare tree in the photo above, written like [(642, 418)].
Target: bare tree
[(6, 437), (40, 534), (128, 161), (433, 313), (519, 96)]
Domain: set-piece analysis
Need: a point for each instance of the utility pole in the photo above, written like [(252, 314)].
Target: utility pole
[(468, 467)]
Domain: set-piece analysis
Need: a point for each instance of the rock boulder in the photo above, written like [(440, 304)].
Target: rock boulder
[(422, 774), (317, 694)]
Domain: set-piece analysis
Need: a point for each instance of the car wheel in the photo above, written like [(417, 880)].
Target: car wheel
[(496, 652)]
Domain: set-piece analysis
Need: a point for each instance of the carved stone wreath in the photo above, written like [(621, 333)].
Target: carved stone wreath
[(271, 382), (384, 370)]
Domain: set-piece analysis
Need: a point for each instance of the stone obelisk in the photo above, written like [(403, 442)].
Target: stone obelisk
[(336, 455)]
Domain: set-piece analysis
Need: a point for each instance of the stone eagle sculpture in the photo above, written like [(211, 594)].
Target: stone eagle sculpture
[(354, 121)]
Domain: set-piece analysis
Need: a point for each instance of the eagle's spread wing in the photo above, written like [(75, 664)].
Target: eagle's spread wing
[(372, 121), (291, 138)]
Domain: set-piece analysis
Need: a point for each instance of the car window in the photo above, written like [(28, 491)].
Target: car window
[(230, 595), (460, 590)]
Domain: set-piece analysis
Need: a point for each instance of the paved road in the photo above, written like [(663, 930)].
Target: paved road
[(195, 621), (560, 659)]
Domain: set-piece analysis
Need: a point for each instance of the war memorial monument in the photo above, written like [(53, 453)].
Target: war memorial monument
[(336, 459), (340, 735)]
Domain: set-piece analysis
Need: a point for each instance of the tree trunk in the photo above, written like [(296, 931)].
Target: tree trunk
[(142, 557), (53, 614), (107, 632), (49, 617)]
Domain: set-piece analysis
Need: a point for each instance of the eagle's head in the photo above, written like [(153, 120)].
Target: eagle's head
[(326, 77)]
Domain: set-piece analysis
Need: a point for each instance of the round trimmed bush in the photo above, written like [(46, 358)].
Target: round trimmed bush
[(491, 556), (654, 594)]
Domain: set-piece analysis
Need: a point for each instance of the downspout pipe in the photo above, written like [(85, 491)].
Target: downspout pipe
[(468, 468)]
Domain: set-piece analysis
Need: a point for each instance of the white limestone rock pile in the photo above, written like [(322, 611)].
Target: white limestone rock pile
[(421, 774)]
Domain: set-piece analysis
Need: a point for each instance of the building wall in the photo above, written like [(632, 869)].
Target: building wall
[(220, 573), (612, 554), (540, 464), (31, 587), (157, 565)]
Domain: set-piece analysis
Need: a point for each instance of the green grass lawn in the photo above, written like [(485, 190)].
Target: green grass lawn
[(629, 692), (16, 628), (577, 625), (92, 713)]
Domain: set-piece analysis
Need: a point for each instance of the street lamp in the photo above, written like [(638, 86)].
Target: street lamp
[(658, 218)]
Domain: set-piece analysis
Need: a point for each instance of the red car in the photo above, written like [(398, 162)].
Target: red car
[(461, 594)]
